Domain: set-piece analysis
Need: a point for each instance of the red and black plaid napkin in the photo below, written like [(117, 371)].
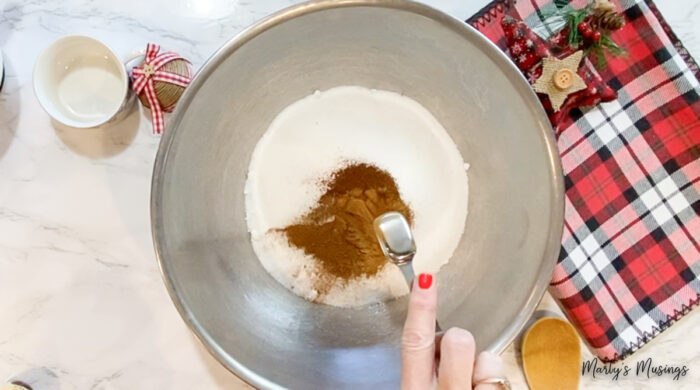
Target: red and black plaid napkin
[(630, 260)]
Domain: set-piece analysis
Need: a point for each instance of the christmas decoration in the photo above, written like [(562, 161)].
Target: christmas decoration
[(605, 18), (530, 53), (160, 81), (559, 78), (588, 29), (524, 46)]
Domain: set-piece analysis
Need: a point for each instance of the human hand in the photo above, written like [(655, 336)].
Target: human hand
[(445, 361)]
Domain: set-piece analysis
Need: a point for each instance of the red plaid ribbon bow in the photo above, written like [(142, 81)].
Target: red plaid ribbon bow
[(146, 74)]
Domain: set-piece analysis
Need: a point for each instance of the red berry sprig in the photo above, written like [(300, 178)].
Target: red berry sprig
[(588, 32), (585, 29)]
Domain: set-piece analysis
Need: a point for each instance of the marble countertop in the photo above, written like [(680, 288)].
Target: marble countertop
[(82, 305)]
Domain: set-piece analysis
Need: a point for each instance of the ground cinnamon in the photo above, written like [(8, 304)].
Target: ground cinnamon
[(339, 230)]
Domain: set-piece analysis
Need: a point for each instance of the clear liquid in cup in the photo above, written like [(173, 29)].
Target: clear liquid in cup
[(91, 88)]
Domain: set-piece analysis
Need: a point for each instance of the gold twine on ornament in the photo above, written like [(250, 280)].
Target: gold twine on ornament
[(168, 94)]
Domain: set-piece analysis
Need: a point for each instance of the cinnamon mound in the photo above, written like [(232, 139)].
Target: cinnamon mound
[(339, 230)]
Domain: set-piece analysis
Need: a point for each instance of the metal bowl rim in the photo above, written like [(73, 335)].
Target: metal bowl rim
[(468, 32)]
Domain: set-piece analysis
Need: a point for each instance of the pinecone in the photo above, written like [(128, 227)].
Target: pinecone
[(606, 19)]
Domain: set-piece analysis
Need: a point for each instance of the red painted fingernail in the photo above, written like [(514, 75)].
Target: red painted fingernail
[(425, 281)]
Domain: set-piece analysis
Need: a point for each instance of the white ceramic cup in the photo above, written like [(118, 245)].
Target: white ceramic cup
[(80, 82)]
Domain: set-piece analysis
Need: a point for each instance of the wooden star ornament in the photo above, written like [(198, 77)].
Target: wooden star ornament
[(560, 78)]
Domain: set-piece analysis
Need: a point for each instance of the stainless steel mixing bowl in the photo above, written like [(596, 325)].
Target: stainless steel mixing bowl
[(249, 322)]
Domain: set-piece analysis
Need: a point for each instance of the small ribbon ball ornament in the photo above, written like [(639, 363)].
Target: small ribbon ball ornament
[(154, 76)]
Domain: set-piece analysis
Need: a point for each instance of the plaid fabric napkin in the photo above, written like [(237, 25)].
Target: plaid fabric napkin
[(630, 260)]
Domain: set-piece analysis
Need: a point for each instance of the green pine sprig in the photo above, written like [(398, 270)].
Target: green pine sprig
[(574, 17), (598, 49), (610, 45)]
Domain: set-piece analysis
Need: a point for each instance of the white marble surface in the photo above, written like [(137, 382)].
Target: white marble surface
[(82, 305)]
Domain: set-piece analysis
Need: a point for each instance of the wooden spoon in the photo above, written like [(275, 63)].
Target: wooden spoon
[(551, 355)]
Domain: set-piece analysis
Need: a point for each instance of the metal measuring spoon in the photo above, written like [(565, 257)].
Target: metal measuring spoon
[(396, 239)]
